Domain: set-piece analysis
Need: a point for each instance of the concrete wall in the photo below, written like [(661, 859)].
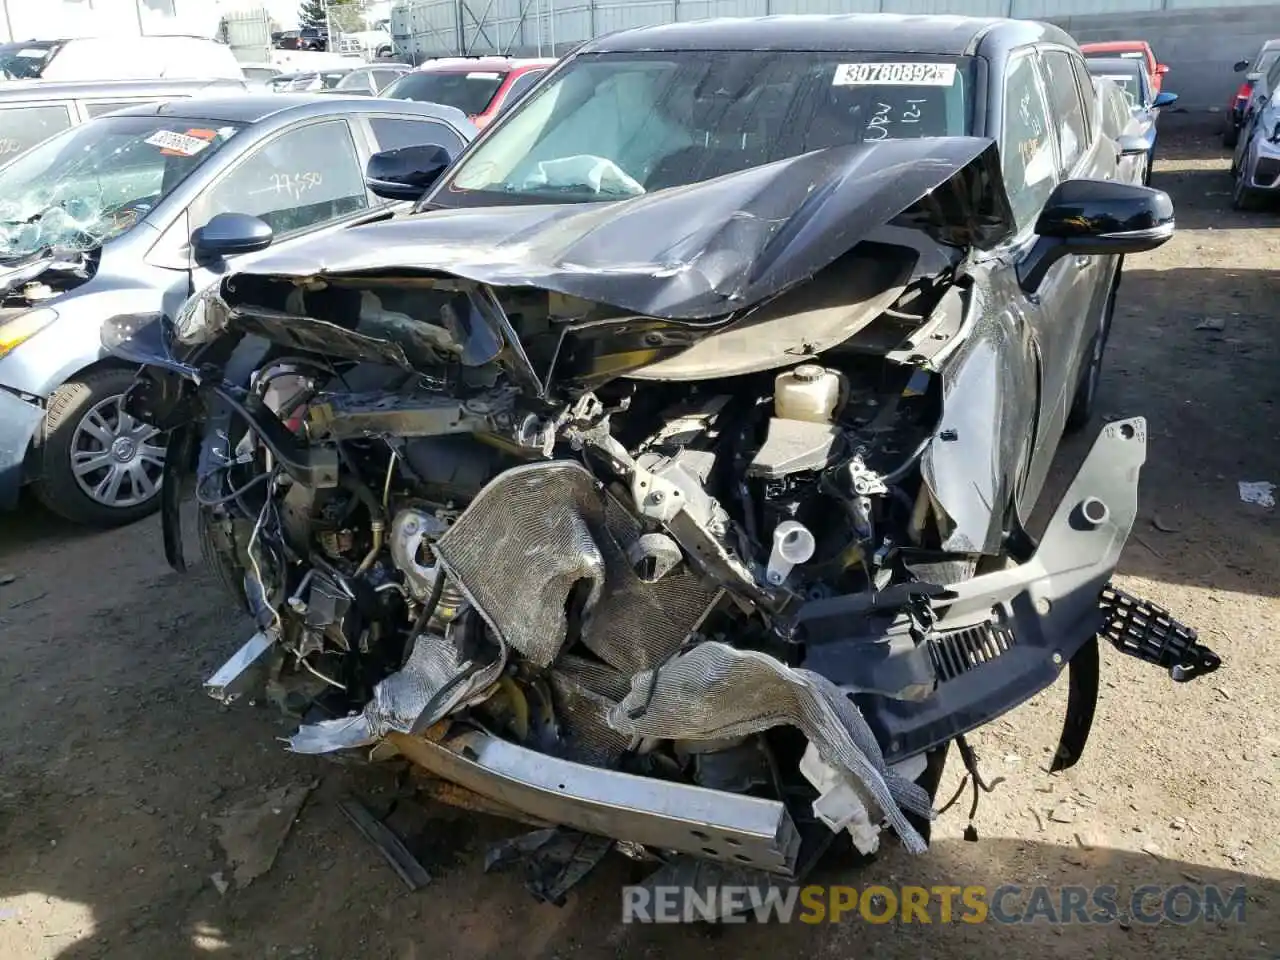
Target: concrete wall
[(1199, 46)]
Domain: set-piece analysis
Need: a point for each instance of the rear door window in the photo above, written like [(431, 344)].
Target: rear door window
[(1066, 111), (383, 77), (96, 108), (392, 133), (22, 127), (358, 80), (520, 86)]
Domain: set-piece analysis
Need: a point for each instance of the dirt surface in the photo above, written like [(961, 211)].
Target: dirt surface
[(115, 768)]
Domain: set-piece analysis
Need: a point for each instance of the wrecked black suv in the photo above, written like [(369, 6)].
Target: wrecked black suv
[(665, 477)]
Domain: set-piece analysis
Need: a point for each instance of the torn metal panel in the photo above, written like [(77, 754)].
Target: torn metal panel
[(715, 691), (442, 672)]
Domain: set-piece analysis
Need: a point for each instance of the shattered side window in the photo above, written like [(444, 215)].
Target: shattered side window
[(1026, 148)]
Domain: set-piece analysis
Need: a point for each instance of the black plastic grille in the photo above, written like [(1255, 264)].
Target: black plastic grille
[(961, 650)]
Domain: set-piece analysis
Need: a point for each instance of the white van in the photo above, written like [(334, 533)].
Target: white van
[(119, 58)]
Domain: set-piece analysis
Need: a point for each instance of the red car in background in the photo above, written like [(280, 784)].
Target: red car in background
[(481, 87), (1130, 48)]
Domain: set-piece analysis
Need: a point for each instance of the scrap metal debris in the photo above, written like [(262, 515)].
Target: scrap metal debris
[(1261, 492), (251, 833), (391, 847), (555, 860)]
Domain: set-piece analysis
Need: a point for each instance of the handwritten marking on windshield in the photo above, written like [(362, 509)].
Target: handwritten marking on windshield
[(879, 122), (895, 74), (9, 145), (882, 119)]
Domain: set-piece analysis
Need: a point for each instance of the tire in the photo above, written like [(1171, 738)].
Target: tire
[(116, 479), (1086, 398), (1242, 197), (219, 556), (1151, 165), (1230, 136)]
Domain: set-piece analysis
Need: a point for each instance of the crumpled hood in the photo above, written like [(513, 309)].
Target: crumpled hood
[(690, 252)]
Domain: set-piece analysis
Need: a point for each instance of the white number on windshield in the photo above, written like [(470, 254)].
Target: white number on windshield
[(897, 74)]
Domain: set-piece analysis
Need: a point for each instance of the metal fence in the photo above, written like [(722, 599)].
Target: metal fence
[(248, 32), (433, 28)]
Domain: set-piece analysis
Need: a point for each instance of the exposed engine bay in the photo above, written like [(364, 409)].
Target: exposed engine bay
[(723, 584), (571, 578)]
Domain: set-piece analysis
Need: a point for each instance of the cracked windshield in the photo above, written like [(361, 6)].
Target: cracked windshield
[(615, 126), (92, 183)]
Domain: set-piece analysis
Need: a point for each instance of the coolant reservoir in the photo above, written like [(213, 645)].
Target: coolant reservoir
[(807, 392)]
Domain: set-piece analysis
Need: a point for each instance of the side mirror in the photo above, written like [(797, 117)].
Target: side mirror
[(228, 234), (1164, 99), (1096, 218), (406, 173), (1132, 145), (1240, 66), (1162, 68)]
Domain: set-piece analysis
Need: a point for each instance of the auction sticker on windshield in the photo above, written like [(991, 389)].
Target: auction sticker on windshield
[(900, 74), (180, 143)]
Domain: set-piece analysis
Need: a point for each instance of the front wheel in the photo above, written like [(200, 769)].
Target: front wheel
[(1230, 136), (101, 467)]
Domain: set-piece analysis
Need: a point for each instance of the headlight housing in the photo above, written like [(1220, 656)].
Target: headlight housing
[(201, 318), (23, 327)]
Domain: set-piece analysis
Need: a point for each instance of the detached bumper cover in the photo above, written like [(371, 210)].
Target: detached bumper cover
[(19, 420)]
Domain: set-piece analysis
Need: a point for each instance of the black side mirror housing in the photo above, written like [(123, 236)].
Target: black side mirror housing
[(227, 234), (1240, 66), (407, 172), (1096, 218)]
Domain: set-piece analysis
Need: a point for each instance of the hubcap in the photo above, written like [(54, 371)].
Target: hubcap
[(116, 460)]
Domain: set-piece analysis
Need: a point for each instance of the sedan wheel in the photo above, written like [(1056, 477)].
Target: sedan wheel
[(115, 458), (101, 466)]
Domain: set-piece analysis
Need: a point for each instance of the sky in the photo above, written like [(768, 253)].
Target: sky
[(284, 12)]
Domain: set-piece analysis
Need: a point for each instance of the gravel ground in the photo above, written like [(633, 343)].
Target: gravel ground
[(114, 768)]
